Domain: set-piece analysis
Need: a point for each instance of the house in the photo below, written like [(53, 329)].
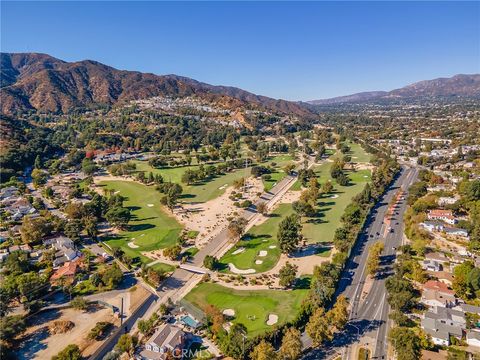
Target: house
[(443, 215), (65, 249), (473, 338), (433, 225), (447, 200), (67, 272), (443, 276), (167, 339), (25, 248), (431, 265), (447, 316), (456, 232), (440, 332), (436, 293)]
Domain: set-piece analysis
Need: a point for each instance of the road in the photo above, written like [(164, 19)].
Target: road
[(369, 312)]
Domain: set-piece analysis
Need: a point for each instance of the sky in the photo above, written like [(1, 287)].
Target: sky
[(288, 50)]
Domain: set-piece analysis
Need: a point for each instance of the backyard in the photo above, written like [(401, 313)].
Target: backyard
[(252, 308), (151, 227)]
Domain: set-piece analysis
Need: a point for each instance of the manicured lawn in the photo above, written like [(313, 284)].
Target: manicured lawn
[(151, 227), (331, 206), (163, 267), (258, 238), (358, 154), (201, 192), (251, 307)]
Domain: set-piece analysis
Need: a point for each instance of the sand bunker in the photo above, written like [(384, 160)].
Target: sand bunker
[(229, 312), (235, 270), (258, 262), (238, 251), (132, 245), (223, 187), (263, 253), (150, 205), (334, 196), (272, 247), (272, 319)]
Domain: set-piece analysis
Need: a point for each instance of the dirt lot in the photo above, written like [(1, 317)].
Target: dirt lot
[(38, 343)]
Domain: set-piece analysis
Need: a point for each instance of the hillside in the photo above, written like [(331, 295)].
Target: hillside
[(31, 81), (457, 87)]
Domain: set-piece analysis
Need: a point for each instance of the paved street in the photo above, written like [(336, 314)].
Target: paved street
[(369, 316)]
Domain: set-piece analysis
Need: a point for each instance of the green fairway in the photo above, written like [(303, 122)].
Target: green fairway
[(358, 154), (151, 227), (280, 161), (201, 192), (259, 238), (331, 206), (251, 307)]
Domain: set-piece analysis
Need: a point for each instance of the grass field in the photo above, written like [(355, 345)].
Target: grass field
[(201, 192), (330, 210), (151, 228), (251, 307), (257, 239)]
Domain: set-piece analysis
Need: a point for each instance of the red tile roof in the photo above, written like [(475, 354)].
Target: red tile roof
[(437, 285)]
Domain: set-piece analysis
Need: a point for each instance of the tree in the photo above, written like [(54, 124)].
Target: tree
[(289, 168), (71, 352), (263, 351), (210, 262), (73, 229), (126, 344), (288, 274), (33, 230), (10, 327), (339, 312), (39, 177), (112, 275), (406, 343), (79, 303), (289, 233), (172, 252), (318, 327), (262, 208), (292, 345), (90, 224), (236, 227), (38, 162), (327, 187), (303, 208), (373, 261), (234, 343), (118, 216)]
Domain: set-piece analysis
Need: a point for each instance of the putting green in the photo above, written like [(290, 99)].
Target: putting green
[(259, 238), (200, 192), (151, 227), (251, 307)]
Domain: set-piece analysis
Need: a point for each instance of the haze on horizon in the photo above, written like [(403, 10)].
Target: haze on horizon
[(294, 51)]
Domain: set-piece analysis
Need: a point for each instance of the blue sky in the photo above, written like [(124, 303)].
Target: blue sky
[(296, 51)]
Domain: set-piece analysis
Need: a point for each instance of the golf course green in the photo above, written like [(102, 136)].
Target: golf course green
[(151, 227), (251, 307)]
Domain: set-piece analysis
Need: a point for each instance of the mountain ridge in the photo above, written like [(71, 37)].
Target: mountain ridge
[(36, 81), (459, 86)]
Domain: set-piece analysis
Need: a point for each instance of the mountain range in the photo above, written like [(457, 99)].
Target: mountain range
[(33, 81), (40, 82), (458, 86)]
